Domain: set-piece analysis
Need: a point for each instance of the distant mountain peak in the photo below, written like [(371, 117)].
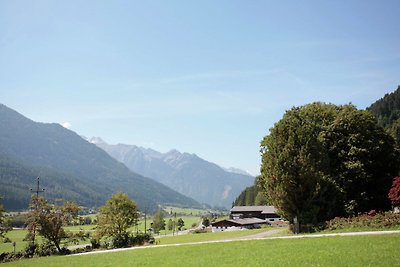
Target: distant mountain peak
[(185, 172), (238, 171)]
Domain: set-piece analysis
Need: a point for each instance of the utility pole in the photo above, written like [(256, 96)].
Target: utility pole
[(145, 226), (38, 190)]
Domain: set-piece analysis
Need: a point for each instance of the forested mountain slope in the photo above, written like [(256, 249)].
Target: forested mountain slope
[(387, 111), (186, 173), (80, 170)]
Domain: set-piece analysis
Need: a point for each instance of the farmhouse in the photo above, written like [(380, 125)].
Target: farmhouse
[(240, 223), (247, 217), (262, 212)]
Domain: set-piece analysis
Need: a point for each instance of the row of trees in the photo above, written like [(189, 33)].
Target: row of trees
[(159, 223), (321, 160), (114, 220)]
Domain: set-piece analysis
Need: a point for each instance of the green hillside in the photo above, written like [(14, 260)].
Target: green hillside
[(70, 167), (387, 112)]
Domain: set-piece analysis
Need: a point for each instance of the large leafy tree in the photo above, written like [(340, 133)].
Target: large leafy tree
[(319, 157), (117, 215), (295, 166), (362, 160), (49, 220)]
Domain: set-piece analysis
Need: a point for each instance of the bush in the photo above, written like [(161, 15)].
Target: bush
[(30, 249), (95, 243), (378, 221), (7, 240), (124, 240), (46, 249), (199, 231), (121, 240)]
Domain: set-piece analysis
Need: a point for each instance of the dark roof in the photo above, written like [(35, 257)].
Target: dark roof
[(262, 209), (245, 221)]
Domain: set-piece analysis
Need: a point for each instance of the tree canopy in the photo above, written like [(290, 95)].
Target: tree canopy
[(180, 224), (322, 160), (49, 220), (158, 221), (117, 215)]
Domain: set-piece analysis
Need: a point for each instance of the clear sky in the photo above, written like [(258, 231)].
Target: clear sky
[(204, 77)]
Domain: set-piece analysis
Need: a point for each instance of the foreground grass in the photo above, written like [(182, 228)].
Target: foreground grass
[(358, 229), (326, 251), (207, 236)]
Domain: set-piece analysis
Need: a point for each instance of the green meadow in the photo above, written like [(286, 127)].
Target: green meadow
[(185, 211), (371, 250), (207, 236), (17, 236)]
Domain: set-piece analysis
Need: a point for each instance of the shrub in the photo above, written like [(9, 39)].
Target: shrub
[(129, 240), (95, 243), (380, 220), (199, 231)]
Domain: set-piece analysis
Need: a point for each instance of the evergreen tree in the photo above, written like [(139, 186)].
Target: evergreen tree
[(170, 225), (180, 224), (158, 221)]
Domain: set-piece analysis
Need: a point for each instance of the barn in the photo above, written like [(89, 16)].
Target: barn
[(262, 212), (247, 217)]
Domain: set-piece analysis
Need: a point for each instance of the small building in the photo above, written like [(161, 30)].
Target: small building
[(247, 217)]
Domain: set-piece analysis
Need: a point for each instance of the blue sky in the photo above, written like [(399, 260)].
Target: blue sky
[(205, 77)]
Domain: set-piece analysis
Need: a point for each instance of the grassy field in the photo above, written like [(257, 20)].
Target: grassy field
[(18, 235), (207, 236), (325, 251), (186, 211), (358, 229)]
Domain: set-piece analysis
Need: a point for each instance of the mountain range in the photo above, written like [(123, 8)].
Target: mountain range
[(186, 173), (69, 167)]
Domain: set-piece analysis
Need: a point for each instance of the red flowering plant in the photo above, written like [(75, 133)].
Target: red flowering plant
[(394, 192)]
